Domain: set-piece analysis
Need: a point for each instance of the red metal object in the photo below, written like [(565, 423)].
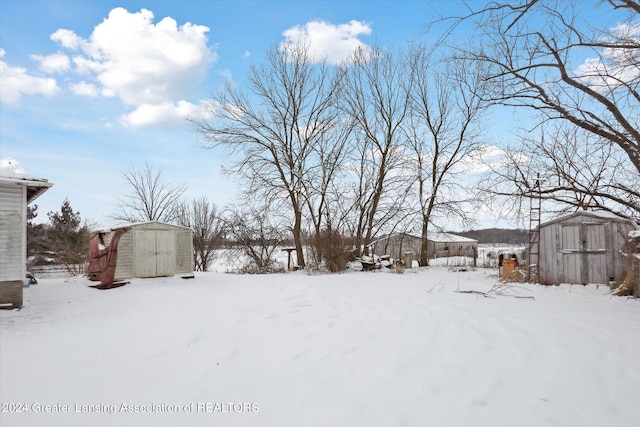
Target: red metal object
[(102, 259)]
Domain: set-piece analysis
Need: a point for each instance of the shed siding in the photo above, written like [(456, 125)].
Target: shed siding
[(154, 249), (397, 244), (184, 252), (124, 263)]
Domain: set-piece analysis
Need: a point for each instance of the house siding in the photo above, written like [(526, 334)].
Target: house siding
[(12, 232)]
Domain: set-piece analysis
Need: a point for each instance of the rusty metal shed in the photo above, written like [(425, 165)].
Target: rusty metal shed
[(581, 248)]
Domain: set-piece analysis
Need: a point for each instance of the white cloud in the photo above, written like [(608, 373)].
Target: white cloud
[(614, 66), (335, 43), (55, 63), (15, 82), (486, 158), (85, 89), (152, 67), (67, 39), (165, 114)]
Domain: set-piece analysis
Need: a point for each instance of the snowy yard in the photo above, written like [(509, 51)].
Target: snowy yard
[(354, 349)]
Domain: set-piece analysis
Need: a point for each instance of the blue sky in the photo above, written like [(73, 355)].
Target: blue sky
[(91, 87), (65, 116)]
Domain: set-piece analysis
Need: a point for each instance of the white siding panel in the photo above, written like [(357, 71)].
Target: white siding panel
[(184, 252), (12, 232), (12, 258), (12, 198), (124, 263)]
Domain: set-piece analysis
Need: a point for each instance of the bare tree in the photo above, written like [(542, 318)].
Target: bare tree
[(208, 228), (537, 49), (275, 132), (444, 131), (377, 98), (577, 170), (323, 191), (254, 236), (150, 198)]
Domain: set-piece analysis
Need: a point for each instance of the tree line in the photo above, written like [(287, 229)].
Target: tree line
[(382, 142), (331, 156)]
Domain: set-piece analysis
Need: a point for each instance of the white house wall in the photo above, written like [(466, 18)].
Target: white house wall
[(13, 239)]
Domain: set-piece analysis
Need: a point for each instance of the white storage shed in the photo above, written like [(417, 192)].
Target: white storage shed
[(150, 249), (17, 190)]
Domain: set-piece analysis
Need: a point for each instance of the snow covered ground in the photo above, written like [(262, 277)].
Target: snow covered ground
[(352, 349)]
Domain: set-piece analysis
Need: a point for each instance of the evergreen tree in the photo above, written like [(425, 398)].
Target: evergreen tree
[(69, 238), (37, 243)]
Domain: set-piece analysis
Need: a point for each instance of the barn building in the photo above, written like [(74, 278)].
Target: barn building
[(581, 248), (439, 244), (17, 191), (145, 249)]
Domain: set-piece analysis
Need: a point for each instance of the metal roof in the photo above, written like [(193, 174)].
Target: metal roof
[(35, 186)]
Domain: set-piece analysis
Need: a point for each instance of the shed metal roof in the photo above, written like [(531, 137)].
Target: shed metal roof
[(600, 215)]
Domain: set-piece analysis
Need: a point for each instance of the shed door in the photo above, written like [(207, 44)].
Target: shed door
[(145, 254), (595, 255), (584, 257), (571, 254), (165, 253), (155, 253)]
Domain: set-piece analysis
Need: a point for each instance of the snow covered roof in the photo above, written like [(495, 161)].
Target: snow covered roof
[(433, 236), (13, 173), (134, 224), (443, 237)]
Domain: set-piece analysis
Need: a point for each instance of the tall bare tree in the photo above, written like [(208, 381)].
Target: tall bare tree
[(547, 57), (208, 228), (150, 198), (323, 191), (377, 98), (274, 129), (445, 129)]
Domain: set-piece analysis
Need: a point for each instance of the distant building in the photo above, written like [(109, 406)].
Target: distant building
[(581, 248), (17, 191), (439, 244)]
